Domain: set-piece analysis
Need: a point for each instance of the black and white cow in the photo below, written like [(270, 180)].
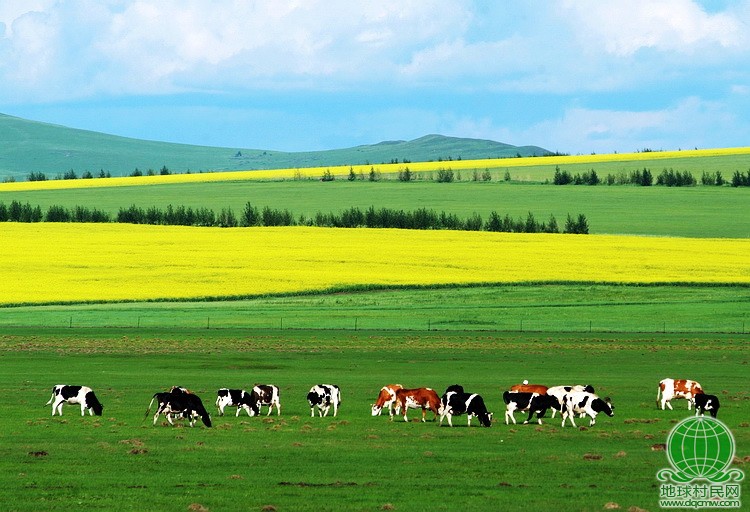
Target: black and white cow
[(179, 403), (560, 391), (455, 402), (81, 395), (533, 403), (238, 398), (583, 402), (704, 402), (323, 396), (269, 395)]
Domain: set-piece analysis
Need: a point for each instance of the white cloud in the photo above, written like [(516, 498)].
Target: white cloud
[(624, 27), (692, 121)]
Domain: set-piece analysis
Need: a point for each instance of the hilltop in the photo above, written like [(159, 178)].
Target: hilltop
[(31, 146)]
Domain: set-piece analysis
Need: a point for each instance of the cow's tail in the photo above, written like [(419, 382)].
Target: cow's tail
[(51, 399), (94, 403), (506, 397), (659, 392), (148, 411)]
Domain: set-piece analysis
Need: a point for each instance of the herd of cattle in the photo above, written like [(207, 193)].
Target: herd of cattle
[(534, 399)]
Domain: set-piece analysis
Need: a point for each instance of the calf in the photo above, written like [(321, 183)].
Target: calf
[(456, 402), (704, 402), (583, 402), (80, 395), (386, 398), (677, 388), (238, 398), (417, 398), (534, 403), (323, 396), (179, 403)]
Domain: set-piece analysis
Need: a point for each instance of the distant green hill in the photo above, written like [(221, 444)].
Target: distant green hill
[(30, 146)]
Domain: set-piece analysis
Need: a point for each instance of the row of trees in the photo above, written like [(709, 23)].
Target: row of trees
[(87, 175), (353, 217), (644, 178)]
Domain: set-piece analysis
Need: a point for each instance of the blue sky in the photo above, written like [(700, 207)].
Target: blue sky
[(576, 76)]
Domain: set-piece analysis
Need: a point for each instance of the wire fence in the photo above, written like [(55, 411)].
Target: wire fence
[(355, 323)]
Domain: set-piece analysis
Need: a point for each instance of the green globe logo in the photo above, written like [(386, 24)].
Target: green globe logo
[(700, 448)]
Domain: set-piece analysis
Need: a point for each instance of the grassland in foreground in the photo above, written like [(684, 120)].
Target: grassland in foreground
[(354, 461)]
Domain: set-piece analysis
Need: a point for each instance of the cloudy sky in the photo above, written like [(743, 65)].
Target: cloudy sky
[(576, 76)]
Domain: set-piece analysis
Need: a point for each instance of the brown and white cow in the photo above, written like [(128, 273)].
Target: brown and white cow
[(386, 398), (677, 388), (525, 387), (417, 398)]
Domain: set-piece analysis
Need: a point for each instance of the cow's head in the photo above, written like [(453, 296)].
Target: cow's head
[(314, 398), (604, 406), (376, 410), (486, 419)]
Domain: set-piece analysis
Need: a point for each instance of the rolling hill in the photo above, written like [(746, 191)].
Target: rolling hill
[(31, 146)]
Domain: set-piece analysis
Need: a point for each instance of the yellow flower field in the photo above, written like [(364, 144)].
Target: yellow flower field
[(46, 262), (317, 172)]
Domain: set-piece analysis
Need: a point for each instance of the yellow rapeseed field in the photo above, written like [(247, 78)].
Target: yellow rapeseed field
[(48, 262), (317, 172)]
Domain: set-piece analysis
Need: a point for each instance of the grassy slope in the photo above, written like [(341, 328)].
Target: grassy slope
[(689, 212), (353, 462), (32, 146)]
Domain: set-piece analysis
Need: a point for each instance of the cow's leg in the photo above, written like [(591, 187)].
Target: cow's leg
[(669, 404), (450, 419), (690, 400), (424, 414), (312, 411), (468, 417), (335, 408), (58, 405)]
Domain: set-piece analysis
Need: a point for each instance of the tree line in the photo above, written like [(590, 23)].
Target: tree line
[(354, 217), (645, 178)]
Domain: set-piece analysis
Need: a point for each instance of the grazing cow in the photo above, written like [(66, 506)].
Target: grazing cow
[(704, 402), (534, 403), (583, 402), (677, 388), (269, 395), (179, 403), (238, 398), (80, 395), (525, 387), (386, 398), (456, 402), (560, 391), (323, 396), (417, 398)]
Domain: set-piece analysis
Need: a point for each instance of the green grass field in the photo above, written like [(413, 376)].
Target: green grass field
[(548, 308), (621, 339), (689, 212), (354, 461)]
